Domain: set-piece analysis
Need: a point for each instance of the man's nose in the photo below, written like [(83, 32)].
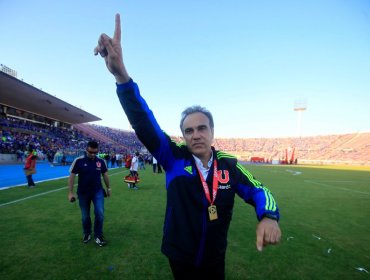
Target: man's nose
[(196, 134)]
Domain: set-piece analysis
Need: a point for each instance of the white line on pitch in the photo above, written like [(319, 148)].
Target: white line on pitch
[(32, 196), (44, 193), (326, 185)]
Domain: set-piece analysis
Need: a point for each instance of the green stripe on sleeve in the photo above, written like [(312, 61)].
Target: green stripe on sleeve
[(270, 201), (224, 155), (255, 182)]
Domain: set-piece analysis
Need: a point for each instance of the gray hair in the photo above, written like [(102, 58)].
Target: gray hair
[(196, 109)]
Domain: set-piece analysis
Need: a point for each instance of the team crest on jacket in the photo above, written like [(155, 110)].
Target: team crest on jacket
[(223, 176), (98, 164)]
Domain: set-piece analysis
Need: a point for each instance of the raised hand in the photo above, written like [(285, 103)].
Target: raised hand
[(110, 49)]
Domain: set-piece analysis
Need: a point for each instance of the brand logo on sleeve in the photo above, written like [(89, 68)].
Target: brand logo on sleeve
[(189, 169)]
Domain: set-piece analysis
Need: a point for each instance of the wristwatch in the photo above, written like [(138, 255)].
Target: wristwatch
[(270, 216)]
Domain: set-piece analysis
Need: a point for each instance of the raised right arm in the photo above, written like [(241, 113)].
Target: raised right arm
[(138, 113), (110, 49)]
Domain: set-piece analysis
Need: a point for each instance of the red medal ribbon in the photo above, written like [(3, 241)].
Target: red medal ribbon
[(214, 183)]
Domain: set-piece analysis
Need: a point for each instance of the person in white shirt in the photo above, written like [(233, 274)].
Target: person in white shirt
[(154, 165), (133, 170)]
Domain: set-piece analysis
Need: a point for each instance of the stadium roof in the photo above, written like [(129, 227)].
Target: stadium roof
[(20, 95)]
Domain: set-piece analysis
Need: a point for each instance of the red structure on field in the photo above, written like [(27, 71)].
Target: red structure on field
[(289, 160), (257, 160)]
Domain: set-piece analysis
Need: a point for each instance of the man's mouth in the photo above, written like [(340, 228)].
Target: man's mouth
[(197, 145)]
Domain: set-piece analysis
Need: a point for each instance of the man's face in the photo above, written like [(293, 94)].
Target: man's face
[(198, 135), (91, 152)]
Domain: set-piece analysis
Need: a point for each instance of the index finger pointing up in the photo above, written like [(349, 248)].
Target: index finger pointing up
[(117, 29)]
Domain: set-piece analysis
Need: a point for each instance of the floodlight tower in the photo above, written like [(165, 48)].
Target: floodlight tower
[(299, 106)]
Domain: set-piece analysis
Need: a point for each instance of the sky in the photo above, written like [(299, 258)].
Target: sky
[(249, 62)]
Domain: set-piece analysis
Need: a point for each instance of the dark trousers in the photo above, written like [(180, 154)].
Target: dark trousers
[(159, 168), (186, 271), (135, 175), (30, 180)]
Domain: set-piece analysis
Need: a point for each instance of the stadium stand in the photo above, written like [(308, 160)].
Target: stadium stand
[(123, 138), (88, 130), (17, 134), (29, 116), (352, 148)]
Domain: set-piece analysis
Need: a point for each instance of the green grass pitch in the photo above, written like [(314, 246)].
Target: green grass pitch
[(324, 219)]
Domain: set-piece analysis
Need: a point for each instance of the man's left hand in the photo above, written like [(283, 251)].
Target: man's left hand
[(109, 192), (268, 232)]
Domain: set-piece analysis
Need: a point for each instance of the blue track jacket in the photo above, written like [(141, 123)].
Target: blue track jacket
[(188, 234)]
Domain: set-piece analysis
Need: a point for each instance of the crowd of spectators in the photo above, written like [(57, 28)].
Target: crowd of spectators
[(122, 137), (56, 144), (17, 135), (343, 147), (62, 145), (353, 147)]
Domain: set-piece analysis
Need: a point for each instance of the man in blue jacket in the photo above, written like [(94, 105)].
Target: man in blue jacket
[(201, 182)]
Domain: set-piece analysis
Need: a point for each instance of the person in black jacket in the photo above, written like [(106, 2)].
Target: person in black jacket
[(201, 181)]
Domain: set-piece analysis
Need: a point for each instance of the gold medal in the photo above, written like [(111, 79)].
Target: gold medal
[(212, 211)]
